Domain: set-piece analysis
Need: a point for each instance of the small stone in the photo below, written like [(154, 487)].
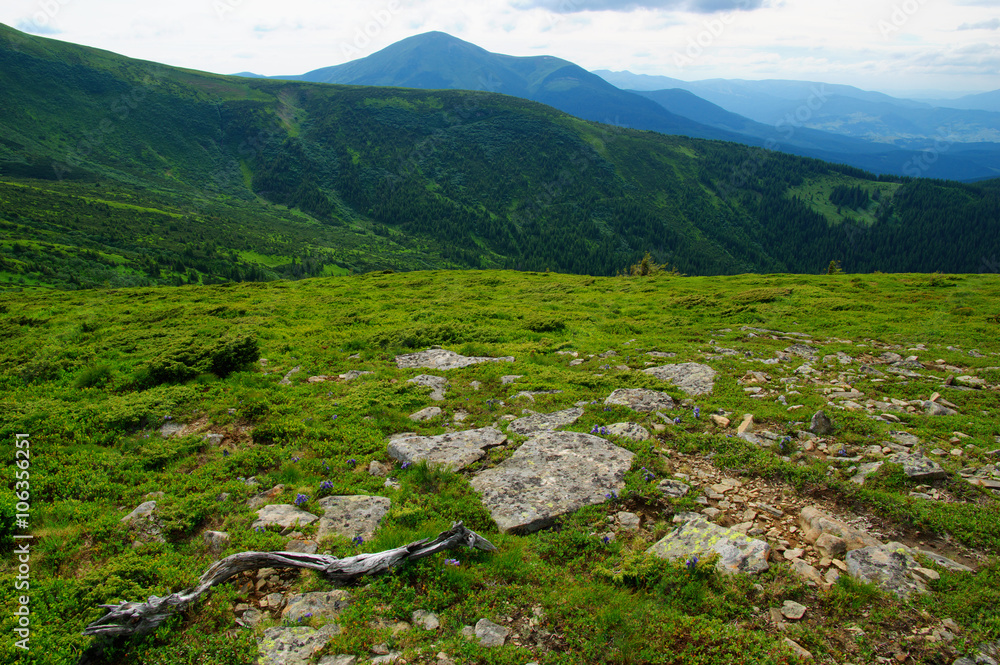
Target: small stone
[(830, 545), (426, 620), (490, 634), (425, 414), (628, 521), (216, 541), (747, 425), (798, 650), (821, 425), (376, 468), (807, 572), (719, 421), (792, 611)]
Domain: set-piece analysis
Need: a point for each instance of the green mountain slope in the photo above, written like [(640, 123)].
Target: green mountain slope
[(126, 172)]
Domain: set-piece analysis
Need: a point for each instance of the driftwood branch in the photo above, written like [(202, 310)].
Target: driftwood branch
[(129, 618)]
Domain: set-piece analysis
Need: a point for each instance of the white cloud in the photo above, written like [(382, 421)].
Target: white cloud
[(793, 39), (992, 24), (698, 6)]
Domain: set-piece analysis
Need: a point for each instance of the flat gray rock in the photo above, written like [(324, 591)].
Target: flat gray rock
[(803, 351), (738, 553), (640, 399), (919, 467), (455, 450), (887, 567), (673, 488), (303, 606), (293, 646), (437, 358), (935, 409), (552, 474), (905, 438), (353, 374), (544, 422), (490, 634), (437, 384), (429, 413), (633, 431), (142, 512), (350, 516), (283, 515), (692, 378), (864, 471)]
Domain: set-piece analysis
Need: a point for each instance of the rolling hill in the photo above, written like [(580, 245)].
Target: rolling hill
[(121, 172)]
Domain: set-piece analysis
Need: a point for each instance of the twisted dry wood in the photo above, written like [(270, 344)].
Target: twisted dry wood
[(129, 618)]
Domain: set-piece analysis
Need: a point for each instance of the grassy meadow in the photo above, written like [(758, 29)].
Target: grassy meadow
[(93, 376)]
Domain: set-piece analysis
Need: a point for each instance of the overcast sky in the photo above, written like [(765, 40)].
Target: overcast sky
[(895, 46)]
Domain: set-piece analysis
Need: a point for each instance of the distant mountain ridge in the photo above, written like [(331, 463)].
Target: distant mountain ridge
[(845, 110), (436, 60)]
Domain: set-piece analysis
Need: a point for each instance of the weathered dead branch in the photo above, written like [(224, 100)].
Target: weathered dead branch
[(128, 618)]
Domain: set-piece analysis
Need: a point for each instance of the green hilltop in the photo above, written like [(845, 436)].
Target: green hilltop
[(121, 172)]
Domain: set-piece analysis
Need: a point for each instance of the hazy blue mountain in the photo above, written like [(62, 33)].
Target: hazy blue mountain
[(986, 101), (839, 109)]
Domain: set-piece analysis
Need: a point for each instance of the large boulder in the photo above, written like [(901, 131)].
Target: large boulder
[(438, 358), (640, 399), (351, 516), (544, 422), (455, 450), (692, 378), (738, 553), (293, 646), (552, 474), (918, 467), (888, 567)]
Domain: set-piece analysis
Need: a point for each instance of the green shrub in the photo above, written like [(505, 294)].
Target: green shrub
[(187, 360), (7, 519), (93, 377)]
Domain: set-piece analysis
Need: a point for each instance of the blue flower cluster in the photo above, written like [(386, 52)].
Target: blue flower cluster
[(357, 540), (326, 485), (452, 562), (599, 430), (301, 500), (648, 475)]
